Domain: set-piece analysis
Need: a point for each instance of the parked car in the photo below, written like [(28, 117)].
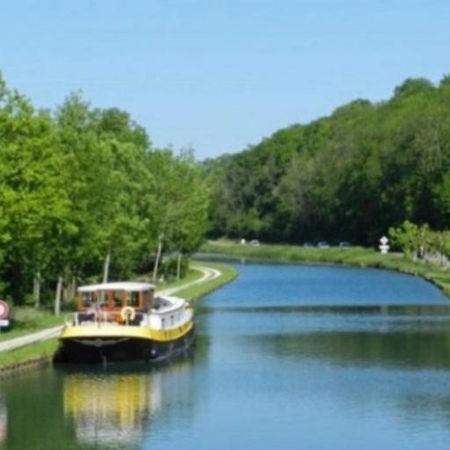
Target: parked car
[(254, 242), (323, 244), (344, 244)]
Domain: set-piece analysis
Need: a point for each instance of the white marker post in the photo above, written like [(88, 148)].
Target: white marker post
[(384, 247)]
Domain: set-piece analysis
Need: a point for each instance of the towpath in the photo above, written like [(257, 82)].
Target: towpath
[(208, 274)]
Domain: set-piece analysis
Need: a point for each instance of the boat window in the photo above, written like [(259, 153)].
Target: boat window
[(86, 299), (133, 299), (117, 298), (148, 299), (103, 298)]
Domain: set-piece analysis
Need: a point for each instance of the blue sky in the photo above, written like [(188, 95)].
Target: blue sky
[(219, 75)]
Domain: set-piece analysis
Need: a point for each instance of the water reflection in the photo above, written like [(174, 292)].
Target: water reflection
[(401, 350), (89, 407), (111, 410), (116, 408), (3, 422)]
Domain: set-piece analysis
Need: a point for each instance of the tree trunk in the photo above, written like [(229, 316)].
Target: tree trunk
[(69, 289), (69, 294), (73, 287), (106, 267), (58, 296), (37, 289), (179, 266), (158, 257)]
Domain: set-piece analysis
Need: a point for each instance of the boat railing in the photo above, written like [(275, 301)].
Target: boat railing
[(159, 320), (105, 318)]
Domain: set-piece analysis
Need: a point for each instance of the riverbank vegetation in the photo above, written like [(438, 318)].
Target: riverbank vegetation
[(354, 256), (37, 353), (195, 292), (347, 177), (85, 196)]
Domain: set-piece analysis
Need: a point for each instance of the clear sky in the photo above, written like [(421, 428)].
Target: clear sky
[(217, 75)]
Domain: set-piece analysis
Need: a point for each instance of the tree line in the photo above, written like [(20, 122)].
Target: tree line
[(84, 196), (349, 176)]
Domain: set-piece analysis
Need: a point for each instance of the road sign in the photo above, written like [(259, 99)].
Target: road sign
[(4, 309), (4, 323)]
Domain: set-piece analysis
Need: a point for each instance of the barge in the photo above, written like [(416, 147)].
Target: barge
[(125, 321)]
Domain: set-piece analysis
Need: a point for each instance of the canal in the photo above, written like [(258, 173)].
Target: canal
[(287, 356)]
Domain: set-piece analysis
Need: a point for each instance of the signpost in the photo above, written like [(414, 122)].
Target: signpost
[(384, 247), (4, 313)]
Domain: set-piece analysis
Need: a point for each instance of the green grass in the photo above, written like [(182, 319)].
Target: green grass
[(197, 291), (38, 351), (354, 256), (29, 320), (192, 275)]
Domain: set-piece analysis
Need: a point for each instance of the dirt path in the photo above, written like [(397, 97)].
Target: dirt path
[(208, 275)]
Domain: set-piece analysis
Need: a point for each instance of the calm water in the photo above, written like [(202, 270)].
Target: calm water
[(289, 357)]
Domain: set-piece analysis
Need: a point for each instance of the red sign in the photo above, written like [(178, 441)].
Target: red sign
[(4, 309)]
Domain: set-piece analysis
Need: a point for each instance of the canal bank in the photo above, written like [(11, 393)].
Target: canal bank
[(351, 256), (207, 278)]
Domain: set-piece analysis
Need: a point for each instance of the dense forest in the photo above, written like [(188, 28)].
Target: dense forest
[(85, 196), (350, 176)]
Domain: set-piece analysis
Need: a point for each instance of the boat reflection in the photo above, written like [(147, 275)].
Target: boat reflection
[(111, 409), (117, 409)]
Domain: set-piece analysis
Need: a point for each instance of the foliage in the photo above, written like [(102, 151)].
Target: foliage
[(410, 238), (84, 194), (422, 242), (350, 176)]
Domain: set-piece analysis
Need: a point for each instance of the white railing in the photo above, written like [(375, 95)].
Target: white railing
[(157, 319)]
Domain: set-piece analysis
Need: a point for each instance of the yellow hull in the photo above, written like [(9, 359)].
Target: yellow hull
[(107, 331)]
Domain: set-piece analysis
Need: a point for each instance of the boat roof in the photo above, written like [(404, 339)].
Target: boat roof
[(129, 286)]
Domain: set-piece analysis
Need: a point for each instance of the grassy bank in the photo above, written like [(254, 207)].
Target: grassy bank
[(354, 256), (192, 275), (23, 356), (197, 291)]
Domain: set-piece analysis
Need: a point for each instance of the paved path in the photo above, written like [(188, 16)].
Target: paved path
[(10, 344), (42, 335), (208, 275)]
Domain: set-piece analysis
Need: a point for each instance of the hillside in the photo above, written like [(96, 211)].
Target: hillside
[(349, 176)]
